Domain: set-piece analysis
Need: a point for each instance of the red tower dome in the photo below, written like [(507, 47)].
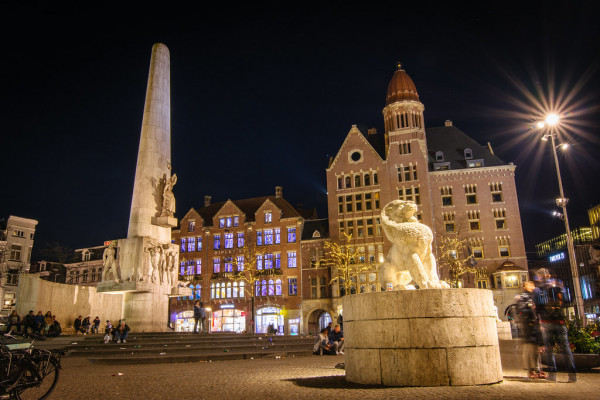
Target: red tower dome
[(401, 87)]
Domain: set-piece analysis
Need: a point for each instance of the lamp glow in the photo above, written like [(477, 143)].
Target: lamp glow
[(564, 146), (552, 119), (541, 124)]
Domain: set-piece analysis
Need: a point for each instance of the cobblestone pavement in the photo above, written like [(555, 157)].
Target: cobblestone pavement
[(289, 378)]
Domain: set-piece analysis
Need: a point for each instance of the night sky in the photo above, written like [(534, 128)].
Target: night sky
[(263, 96)]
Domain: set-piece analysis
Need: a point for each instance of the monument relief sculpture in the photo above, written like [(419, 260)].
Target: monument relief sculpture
[(110, 263), (171, 261), (411, 257), (168, 205)]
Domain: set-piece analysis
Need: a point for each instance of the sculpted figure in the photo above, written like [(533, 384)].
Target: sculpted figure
[(110, 263), (171, 262), (410, 257), (168, 206), (155, 257)]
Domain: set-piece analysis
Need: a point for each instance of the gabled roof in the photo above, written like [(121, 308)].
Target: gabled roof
[(453, 142), (319, 225), (355, 131), (249, 208)]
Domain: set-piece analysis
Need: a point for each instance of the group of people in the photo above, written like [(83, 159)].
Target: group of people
[(330, 341), (40, 324), (542, 325), (83, 325), (117, 333)]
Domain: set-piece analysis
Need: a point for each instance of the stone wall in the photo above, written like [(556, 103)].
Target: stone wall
[(66, 301), (433, 337)]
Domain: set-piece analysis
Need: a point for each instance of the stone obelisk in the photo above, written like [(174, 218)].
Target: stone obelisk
[(154, 155), (145, 269)]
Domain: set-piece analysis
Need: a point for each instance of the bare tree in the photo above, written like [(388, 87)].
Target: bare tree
[(346, 261)]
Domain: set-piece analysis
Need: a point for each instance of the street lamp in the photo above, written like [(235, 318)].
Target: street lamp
[(552, 120)]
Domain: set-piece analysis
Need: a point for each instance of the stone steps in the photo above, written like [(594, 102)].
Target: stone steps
[(173, 347)]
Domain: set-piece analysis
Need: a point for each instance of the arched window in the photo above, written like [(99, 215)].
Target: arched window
[(192, 296), (367, 179), (217, 291), (357, 181), (241, 294), (198, 292), (229, 290), (348, 182), (278, 287), (257, 288), (222, 290), (271, 287), (235, 290), (264, 288), (212, 290)]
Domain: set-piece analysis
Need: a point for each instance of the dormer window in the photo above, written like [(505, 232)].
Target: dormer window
[(85, 255), (439, 156), (468, 154)]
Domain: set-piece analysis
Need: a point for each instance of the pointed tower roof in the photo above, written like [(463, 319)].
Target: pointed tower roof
[(401, 87)]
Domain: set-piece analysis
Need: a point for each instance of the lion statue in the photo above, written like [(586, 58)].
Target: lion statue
[(410, 258)]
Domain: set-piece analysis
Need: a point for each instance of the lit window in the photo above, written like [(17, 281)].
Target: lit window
[(236, 221), (199, 243), (240, 263), (228, 264), (228, 222), (268, 217), (212, 291), (268, 261), (277, 260), (191, 244), (229, 290), (235, 290), (229, 240), (191, 226), (292, 286), (182, 268), (221, 222), (263, 291), (291, 235), (216, 265), (198, 267), (198, 292), (241, 294), (240, 239), (278, 287), (259, 238), (277, 235), (259, 261), (183, 245), (271, 287), (222, 290), (217, 242), (268, 236), (291, 259)]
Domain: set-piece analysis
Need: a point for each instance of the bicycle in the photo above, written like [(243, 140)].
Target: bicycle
[(25, 372)]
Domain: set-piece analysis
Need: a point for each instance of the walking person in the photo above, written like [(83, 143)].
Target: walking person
[(549, 297), (199, 317), (529, 330)]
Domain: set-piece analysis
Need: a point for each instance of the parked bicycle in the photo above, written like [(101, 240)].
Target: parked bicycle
[(26, 372)]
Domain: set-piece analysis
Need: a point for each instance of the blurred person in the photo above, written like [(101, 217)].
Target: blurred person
[(47, 323), (529, 329), (14, 321), (77, 325), (549, 296)]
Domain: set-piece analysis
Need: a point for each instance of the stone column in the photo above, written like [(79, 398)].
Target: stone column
[(432, 337)]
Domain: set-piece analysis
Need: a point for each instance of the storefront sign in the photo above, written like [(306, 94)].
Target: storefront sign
[(227, 306), (557, 257)]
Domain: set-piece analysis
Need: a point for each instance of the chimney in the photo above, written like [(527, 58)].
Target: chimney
[(372, 131), (278, 190), (207, 201), (448, 123)]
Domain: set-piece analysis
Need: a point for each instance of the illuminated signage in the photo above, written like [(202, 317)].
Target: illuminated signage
[(227, 305), (107, 242), (557, 257)]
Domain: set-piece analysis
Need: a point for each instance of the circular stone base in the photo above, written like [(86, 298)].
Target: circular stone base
[(432, 337)]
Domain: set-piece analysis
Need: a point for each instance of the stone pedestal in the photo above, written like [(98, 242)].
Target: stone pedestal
[(433, 337), (504, 330)]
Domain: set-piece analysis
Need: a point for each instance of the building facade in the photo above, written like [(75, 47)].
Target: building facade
[(460, 187), (16, 244), (218, 242), (86, 269)]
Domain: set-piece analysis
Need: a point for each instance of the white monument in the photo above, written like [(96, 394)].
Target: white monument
[(144, 268), (435, 336)]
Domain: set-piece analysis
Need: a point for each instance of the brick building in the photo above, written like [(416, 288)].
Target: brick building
[(215, 240), (460, 186)]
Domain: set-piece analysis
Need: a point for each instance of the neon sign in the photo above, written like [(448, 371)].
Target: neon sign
[(557, 257)]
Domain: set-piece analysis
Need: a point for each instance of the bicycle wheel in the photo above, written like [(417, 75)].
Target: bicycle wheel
[(48, 370)]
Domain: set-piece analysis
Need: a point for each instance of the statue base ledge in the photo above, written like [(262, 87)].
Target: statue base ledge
[(180, 291), (165, 222), (125, 287)]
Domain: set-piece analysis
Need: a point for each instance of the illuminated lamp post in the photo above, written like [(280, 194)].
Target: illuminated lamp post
[(551, 122)]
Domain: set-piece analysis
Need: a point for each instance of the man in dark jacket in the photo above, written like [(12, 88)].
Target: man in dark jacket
[(121, 332), (29, 323), (549, 297), (336, 338), (77, 325)]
